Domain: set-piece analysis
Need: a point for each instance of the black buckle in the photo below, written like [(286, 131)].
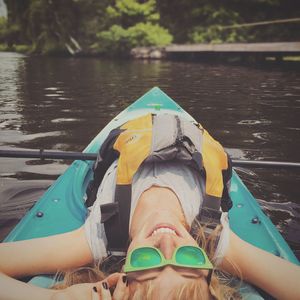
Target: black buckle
[(210, 216), (108, 211), (209, 220)]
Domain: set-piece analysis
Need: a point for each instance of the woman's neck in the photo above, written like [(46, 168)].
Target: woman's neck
[(158, 203)]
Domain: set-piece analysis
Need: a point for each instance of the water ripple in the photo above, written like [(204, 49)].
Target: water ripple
[(254, 122)]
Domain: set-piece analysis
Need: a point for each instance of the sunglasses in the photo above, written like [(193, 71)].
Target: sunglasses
[(145, 258)]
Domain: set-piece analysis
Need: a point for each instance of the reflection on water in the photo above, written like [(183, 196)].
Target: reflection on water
[(62, 103)]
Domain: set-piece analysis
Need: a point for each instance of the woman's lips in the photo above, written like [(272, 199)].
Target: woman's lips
[(169, 229)]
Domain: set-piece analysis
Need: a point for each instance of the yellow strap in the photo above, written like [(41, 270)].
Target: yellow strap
[(134, 145), (214, 161)]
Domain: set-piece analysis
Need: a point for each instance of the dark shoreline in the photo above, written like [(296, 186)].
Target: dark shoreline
[(160, 54)]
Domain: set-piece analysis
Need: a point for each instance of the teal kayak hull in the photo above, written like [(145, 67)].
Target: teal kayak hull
[(62, 207)]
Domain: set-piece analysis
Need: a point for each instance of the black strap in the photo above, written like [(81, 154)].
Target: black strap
[(226, 202), (209, 214), (115, 217), (210, 217), (107, 155)]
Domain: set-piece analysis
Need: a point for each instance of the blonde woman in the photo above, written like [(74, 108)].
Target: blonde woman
[(166, 197)]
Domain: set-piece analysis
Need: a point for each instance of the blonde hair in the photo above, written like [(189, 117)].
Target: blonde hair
[(79, 275), (221, 285), (192, 290)]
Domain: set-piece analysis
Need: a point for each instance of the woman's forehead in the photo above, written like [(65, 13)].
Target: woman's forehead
[(166, 283)]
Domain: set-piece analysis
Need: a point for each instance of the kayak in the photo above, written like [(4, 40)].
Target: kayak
[(62, 207)]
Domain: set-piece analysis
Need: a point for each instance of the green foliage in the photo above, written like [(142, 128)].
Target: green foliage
[(4, 47), (131, 24), (8, 31), (129, 12), (215, 35), (115, 26), (3, 29), (200, 21), (22, 48), (118, 40), (213, 28), (91, 17)]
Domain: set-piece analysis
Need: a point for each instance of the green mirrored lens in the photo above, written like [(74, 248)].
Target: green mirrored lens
[(145, 257), (190, 256)]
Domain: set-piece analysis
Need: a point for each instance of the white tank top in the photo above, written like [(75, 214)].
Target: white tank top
[(181, 179)]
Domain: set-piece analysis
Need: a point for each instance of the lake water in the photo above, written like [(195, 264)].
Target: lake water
[(62, 103)]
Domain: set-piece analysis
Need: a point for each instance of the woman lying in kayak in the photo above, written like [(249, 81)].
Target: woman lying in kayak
[(165, 201)]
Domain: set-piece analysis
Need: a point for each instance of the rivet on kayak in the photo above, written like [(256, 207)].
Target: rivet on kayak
[(255, 220), (277, 253), (39, 214), (240, 205)]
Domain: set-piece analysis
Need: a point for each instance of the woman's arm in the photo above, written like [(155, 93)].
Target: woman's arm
[(278, 277), (36, 256), (12, 289), (45, 255)]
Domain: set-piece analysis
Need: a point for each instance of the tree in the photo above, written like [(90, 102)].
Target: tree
[(208, 20), (52, 26), (115, 26), (131, 24)]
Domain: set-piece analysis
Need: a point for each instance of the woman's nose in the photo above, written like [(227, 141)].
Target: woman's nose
[(167, 245)]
